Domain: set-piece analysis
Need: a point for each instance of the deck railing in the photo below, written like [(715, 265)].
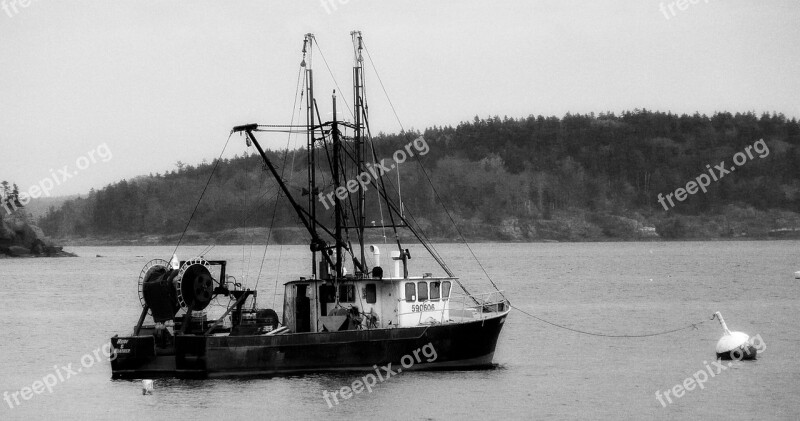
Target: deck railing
[(478, 306), (461, 307)]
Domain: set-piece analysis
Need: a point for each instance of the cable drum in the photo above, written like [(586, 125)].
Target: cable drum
[(156, 290), (194, 284), (153, 268)]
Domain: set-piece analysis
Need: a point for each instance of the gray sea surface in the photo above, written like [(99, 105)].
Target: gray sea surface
[(56, 312)]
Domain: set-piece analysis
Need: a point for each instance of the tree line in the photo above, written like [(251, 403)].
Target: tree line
[(577, 177)]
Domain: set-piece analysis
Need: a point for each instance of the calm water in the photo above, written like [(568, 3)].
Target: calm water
[(57, 311)]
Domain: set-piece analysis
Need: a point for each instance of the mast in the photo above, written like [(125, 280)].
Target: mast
[(358, 142), (361, 122), (312, 206), (337, 207), (362, 131)]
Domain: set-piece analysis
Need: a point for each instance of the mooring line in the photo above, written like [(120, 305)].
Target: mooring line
[(693, 325)]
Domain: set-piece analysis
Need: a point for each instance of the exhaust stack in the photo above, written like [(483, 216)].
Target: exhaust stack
[(396, 257), (376, 253)]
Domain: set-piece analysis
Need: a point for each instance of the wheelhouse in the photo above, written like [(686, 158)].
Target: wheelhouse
[(366, 303)]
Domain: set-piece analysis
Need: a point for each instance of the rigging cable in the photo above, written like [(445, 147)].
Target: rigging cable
[(419, 162), (332, 77), (266, 246), (380, 203), (425, 243), (216, 164), (300, 87), (297, 89)]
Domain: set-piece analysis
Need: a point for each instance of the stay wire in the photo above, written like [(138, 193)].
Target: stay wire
[(335, 82), (297, 90), (403, 130), (269, 236), (210, 176), (425, 243), (436, 192), (277, 273)]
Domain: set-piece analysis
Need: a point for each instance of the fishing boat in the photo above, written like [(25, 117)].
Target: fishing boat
[(350, 311)]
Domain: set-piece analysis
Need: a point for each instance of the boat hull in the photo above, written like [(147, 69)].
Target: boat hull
[(465, 345)]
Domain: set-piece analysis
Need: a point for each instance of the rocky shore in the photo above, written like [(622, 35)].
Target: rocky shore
[(19, 237)]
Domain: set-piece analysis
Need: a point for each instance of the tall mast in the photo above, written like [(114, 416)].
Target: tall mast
[(361, 122), (359, 145), (312, 182), (337, 208), (362, 129)]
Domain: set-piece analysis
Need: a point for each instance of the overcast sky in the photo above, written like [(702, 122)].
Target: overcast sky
[(163, 81)]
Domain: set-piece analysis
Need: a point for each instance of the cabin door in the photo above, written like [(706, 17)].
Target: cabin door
[(302, 308)]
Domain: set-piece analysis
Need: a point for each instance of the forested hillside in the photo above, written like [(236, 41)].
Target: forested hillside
[(579, 177)]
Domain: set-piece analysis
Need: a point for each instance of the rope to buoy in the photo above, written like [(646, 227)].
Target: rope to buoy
[(691, 326)]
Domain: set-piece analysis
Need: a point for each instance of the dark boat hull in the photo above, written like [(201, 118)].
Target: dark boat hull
[(466, 345)]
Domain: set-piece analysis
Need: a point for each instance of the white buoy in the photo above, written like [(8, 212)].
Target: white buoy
[(733, 345), (147, 387), (797, 275)]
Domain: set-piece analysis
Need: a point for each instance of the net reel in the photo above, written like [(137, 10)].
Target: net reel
[(194, 285), (155, 267), (165, 290)]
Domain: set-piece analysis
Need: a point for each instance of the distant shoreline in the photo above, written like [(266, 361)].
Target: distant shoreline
[(111, 242)]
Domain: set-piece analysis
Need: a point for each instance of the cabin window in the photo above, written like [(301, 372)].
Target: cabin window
[(347, 293), (411, 291), (327, 293), (423, 291), (435, 291), (371, 294), (445, 290)]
